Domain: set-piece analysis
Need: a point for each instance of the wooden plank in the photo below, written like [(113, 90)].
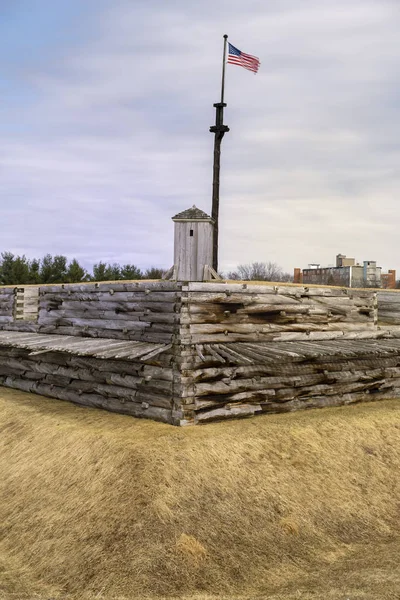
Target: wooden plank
[(272, 288), (94, 400), (156, 352), (7, 301), (94, 323), (276, 317), (55, 315), (84, 346), (244, 410), (120, 306), (285, 336), (110, 349), (234, 298), (20, 326), (170, 297), (120, 286), (220, 286), (259, 328), (6, 319)]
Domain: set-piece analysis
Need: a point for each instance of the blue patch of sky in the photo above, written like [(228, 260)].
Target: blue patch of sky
[(34, 36), (30, 29)]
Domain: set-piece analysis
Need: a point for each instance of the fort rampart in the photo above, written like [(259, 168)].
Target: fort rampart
[(188, 353)]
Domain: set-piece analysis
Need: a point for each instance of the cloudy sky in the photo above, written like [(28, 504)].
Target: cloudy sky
[(104, 128)]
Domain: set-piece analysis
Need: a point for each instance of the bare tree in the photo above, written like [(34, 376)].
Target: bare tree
[(259, 271), (286, 278)]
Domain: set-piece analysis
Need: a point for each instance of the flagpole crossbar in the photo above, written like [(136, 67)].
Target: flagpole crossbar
[(219, 127)]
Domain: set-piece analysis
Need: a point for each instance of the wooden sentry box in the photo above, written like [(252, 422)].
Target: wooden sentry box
[(193, 245)]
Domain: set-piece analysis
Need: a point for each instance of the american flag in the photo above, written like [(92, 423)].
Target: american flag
[(237, 57)]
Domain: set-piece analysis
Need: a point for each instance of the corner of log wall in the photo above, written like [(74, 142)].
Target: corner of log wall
[(209, 350)]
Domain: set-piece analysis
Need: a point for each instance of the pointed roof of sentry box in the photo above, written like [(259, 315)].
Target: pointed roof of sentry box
[(193, 214)]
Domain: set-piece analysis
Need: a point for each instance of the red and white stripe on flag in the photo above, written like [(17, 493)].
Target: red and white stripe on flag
[(247, 61)]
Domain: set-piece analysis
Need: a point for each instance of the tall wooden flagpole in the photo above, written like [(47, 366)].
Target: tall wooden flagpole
[(219, 129)]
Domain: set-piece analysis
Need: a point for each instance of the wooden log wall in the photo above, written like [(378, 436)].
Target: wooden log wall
[(144, 311), (238, 379), (246, 349), (233, 349), (135, 388), (389, 309), (26, 305), (218, 312), (19, 309), (152, 311), (7, 297)]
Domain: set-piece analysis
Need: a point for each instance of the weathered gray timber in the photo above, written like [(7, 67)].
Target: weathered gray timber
[(144, 311), (388, 308), (7, 300), (100, 348), (193, 244), (138, 384), (248, 349), (227, 380), (26, 303), (187, 353)]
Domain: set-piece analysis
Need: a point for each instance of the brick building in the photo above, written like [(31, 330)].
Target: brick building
[(347, 273)]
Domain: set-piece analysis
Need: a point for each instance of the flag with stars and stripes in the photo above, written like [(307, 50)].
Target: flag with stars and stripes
[(237, 57)]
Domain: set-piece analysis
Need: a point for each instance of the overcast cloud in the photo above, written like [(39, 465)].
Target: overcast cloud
[(105, 114)]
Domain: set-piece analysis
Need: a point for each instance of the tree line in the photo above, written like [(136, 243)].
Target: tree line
[(19, 270)]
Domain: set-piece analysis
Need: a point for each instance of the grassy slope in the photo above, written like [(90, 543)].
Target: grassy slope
[(97, 505)]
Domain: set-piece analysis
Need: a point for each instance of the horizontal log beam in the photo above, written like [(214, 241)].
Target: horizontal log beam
[(136, 409), (273, 288), (139, 335), (110, 296), (117, 306), (112, 287)]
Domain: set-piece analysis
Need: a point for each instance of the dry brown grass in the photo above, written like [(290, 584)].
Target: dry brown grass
[(101, 506)]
